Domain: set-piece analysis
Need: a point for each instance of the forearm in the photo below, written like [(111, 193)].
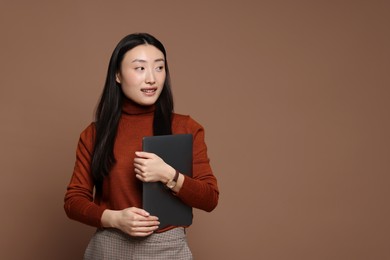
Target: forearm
[(83, 211), (199, 193)]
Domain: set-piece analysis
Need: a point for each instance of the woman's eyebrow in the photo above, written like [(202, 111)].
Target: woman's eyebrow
[(141, 60)]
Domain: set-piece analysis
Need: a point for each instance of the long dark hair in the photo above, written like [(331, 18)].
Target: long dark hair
[(109, 109)]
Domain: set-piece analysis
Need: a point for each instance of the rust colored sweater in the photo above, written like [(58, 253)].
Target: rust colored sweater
[(121, 189)]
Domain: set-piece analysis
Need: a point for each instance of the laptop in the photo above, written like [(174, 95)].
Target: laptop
[(157, 199)]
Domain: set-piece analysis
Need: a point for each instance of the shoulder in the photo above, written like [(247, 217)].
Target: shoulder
[(88, 134), (185, 124)]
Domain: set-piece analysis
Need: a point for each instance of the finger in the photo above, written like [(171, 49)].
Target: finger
[(137, 170), (145, 229), (145, 224), (139, 161), (143, 178), (142, 231), (139, 211), (153, 220), (145, 155), (139, 177), (141, 234), (139, 174)]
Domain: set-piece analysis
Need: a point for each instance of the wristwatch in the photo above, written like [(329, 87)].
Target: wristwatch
[(172, 183)]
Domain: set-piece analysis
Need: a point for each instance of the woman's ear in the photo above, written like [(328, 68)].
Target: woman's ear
[(118, 77)]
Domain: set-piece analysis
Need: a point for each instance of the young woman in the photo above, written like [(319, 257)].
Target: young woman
[(105, 190)]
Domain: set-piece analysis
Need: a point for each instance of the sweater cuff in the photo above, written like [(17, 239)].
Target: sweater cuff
[(186, 191), (98, 216)]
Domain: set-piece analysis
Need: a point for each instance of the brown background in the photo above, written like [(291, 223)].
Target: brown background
[(294, 96)]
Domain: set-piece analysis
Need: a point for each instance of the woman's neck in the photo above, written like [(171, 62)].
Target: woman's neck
[(132, 108)]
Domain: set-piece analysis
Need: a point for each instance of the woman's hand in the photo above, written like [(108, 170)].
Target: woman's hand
[(151, 168), (133, 221)]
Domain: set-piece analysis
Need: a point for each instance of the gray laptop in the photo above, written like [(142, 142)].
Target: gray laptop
[(175, 150)]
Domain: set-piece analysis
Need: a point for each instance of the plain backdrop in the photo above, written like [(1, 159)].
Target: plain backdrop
[(294, 97)]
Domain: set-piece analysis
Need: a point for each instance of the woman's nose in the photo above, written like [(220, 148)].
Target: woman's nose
[(150, 78)]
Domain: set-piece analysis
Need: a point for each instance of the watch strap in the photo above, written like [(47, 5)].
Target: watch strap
[(176, 176)]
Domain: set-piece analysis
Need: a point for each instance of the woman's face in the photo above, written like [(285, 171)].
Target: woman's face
[(142, 74)]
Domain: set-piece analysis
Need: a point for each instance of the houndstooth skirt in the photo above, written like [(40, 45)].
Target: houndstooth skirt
[(109, 244)]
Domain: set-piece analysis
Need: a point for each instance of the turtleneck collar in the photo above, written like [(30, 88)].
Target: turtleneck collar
[(129, 107)]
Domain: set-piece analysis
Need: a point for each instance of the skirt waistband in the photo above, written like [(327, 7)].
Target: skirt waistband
[(172, 234)]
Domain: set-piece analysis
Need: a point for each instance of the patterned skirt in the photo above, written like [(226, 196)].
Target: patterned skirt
[(114, 244)]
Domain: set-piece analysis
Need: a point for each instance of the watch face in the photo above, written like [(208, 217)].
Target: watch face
[(171, 184)]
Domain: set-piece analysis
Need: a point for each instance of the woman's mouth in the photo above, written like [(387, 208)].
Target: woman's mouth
[(149, 91)]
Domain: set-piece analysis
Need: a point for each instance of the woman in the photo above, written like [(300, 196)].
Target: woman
[(105, 190)]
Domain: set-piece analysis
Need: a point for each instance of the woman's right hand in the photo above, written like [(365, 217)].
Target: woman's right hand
[(133, 221)]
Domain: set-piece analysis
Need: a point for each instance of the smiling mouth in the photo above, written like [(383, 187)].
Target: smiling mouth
[(149, 90)]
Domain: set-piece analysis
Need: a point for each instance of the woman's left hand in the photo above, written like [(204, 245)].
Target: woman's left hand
[(151, 168)]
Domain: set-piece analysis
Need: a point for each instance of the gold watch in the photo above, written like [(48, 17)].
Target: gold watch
[(172, 183)]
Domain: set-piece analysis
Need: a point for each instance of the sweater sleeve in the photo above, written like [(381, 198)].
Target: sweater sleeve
[(200, 191), (79, 204)]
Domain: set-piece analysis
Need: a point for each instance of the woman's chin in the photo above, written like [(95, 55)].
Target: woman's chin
[(146, 101)]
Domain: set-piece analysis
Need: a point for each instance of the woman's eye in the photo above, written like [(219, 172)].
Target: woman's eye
[(139, 68), (160, 68)]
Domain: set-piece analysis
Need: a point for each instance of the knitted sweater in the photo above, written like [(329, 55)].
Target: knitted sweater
[(121, 189)]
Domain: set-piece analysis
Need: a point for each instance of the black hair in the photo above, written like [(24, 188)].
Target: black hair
[(109, 109)]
